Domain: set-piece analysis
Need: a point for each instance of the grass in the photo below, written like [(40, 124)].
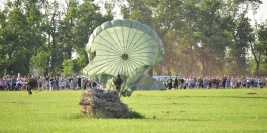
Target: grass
[(218, 110)]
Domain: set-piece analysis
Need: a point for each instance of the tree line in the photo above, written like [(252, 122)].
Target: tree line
[(200, 37)]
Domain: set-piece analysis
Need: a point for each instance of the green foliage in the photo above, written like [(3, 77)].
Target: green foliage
[(68, 67), (41, 60), (19, 36), (39, 34), (80, 62)]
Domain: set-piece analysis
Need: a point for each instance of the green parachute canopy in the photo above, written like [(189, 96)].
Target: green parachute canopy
[(124, 47)]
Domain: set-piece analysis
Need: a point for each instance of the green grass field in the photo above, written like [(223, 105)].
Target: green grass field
[(217, 110)]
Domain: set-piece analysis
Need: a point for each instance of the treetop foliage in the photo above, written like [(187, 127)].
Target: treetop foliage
[(201, 37)]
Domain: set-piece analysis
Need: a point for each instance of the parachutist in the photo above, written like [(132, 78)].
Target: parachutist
[(117, 82)]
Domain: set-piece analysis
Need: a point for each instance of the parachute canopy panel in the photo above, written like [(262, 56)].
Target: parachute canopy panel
[(123, 47)]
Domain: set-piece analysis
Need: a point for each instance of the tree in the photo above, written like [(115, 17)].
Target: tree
[(262, 34), (87, 18), (68, 67), (67, 29), (259, 49), (242, 35), (200, 37), (41, 60), (20, 37)]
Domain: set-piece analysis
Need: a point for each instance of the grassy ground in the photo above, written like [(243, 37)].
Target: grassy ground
[(220, 110)]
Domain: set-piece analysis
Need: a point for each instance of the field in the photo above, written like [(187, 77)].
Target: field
[(216, 110)]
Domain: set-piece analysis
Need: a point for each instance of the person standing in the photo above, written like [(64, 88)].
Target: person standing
[(31, 83), (182, 83), (57, 82), (248, 81), (256, 82), (243, 82), (205, 83), (228, 82), (209, 82), (79, 81), (261, 82), (193, 82), (176, 83), (185, 83), (26, 84), (19, 81), (224, 78), (14, 83), (188, 82), (71, 84), (74, 82), (169, 82), (94, 85), (251, 82), (51, 83), (89, 84), (200, 81), (8, 82)]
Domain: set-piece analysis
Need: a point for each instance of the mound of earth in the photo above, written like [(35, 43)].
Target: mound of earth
[(103, 104)]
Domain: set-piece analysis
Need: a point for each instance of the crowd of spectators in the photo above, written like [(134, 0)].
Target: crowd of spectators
[(17, 82), (209, 82)]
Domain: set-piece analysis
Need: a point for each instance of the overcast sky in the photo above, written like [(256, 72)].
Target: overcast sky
[(261, 15)]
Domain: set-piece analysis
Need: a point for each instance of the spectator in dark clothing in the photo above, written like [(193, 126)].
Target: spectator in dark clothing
[(169, 82), (79, 82), (182, 82), (176, 83), (224, 81), (14, 82)]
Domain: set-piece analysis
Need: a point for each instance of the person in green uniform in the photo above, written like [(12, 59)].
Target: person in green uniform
[(169, 81), (31, 83)]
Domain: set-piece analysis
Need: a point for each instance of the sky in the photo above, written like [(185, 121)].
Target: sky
[(261, 15)]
